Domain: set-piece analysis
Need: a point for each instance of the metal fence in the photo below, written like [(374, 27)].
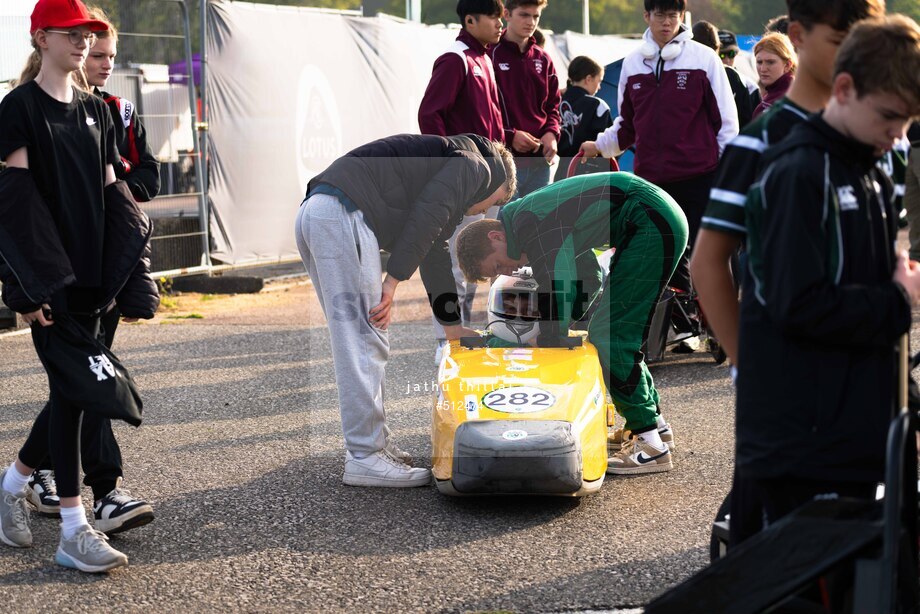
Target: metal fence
[(157, 71)]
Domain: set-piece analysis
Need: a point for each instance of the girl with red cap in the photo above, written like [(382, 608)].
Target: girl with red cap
[(59, 199)]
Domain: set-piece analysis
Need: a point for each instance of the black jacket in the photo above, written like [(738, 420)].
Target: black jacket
[(820, 314), (34, 264), (138, 166), (743, 99), (414, 190), (583, 118)]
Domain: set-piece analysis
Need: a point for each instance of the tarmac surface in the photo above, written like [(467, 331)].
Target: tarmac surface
[(241, 456)]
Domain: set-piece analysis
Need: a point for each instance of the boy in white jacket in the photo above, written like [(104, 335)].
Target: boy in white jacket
[(677, 109)]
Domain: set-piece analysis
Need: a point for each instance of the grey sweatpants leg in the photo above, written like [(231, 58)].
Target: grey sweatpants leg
[(466, 292), (343, 259)]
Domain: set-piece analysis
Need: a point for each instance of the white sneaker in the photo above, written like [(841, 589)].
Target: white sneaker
[(382, 469), (398, 453), (439, 352), (636, 457), (615, 439)]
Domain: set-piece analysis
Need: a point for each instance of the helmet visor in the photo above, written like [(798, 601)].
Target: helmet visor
[(515, 305)]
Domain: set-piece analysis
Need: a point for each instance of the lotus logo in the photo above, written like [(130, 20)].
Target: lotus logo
[(318, 132)]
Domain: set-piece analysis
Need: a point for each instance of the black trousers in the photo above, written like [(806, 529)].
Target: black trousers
[(98, 451), (746, 508), (692, 195)]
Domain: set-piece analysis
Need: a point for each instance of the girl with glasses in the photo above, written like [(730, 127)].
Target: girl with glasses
[(61, 210)]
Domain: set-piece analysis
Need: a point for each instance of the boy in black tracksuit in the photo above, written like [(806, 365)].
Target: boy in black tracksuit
[(827, 297)]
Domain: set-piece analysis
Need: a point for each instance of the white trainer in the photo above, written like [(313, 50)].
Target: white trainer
[(383, 469), (398, 453), (438, 353), (636, 457), (616, 439)]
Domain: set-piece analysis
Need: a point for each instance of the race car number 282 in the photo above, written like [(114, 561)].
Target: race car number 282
[(518, 400)]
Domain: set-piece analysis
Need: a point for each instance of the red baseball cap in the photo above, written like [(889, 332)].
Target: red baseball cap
[(63, 14)]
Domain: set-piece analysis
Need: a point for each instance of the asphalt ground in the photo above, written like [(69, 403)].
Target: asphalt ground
[(241, 456)]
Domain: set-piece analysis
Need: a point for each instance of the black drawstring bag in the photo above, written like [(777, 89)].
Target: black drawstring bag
[(86, 372)]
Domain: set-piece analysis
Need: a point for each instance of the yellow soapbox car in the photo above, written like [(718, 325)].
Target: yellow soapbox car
[(520, 420)]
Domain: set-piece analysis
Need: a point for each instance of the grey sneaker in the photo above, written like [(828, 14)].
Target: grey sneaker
[(43, 493), (14, 518), (636, 457), (89, 550), (382, 469), (616, 438)]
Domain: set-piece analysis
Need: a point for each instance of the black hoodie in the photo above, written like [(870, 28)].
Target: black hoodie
[(583, 118), (820, 314)]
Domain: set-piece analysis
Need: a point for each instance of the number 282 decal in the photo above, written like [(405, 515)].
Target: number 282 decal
[(518, 400)]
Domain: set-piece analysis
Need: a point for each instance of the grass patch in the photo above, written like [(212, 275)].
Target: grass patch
[(188, 316)]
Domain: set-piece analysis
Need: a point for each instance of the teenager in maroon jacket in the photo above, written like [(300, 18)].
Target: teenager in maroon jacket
[(462, 97), (529, 91)]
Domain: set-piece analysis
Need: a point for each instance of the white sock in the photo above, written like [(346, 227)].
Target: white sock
[(72, 520), (13, 481), (661, 421), (652, 438)]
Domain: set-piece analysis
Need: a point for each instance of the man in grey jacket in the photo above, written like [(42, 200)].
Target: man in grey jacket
[(404, 194)]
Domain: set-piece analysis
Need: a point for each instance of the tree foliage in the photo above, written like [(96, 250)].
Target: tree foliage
[(622, 16), (606, 17)]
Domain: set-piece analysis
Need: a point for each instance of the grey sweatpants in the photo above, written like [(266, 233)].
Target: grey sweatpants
[(343, 259)]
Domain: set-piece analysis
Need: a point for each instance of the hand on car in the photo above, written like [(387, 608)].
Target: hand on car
[(455, 332)]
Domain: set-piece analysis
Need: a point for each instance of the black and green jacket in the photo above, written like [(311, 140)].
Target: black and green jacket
[(820, 314), (559, 227)]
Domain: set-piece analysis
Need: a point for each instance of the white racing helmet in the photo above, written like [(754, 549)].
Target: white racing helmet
[(513, 312)]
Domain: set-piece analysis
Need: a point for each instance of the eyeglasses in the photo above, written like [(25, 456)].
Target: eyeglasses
[(669, 16), (76, 36), (730, 54)]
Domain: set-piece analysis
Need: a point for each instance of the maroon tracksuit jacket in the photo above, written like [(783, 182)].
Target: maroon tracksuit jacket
[(529, 90), (462, 95)]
